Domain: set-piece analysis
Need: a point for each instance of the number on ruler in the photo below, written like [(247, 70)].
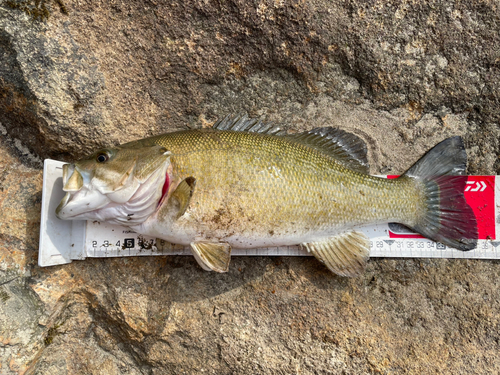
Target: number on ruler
[(129, 243)]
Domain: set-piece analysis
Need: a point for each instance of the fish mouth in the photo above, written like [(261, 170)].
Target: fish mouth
[(62, 204), (75, 206), (130, 205), (80, 197), (73, 180)]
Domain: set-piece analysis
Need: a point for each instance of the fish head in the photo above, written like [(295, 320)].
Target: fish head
[(121, 185)]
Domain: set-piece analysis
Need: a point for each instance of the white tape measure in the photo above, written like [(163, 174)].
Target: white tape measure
[(64, 241)]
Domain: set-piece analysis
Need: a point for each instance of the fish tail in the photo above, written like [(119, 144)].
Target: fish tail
[(446, 216)]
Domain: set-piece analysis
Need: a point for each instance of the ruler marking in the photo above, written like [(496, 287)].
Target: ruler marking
[(383, 243)]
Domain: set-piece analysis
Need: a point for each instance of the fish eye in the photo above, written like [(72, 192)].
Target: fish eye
[(102, 157)]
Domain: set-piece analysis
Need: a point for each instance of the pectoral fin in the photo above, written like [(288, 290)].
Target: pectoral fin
[(183, 194), (178, 202), (345, 254), (212, 256)]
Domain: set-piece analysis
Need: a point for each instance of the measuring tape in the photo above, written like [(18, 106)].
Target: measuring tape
[(64, 241)]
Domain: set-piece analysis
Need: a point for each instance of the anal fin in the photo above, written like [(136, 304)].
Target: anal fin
[(212, 256), (345, 254)]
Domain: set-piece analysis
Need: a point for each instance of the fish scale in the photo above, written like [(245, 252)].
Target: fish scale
[(259, 187), (299, 190)]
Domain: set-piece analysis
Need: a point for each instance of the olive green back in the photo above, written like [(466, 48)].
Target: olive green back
[(256, 182)]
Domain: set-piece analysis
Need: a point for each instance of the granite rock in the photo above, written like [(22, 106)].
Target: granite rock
[(75, 76)]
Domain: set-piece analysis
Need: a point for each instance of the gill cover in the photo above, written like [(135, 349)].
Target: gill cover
[(121, 185)]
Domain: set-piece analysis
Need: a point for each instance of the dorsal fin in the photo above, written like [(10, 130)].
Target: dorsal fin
[(346, 148), (242, 123)]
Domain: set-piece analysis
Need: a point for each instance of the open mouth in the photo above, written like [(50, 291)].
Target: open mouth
[(75, 204), (131, 204), (79, 198)]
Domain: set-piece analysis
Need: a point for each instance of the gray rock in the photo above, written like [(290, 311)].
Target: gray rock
[(77, 76)]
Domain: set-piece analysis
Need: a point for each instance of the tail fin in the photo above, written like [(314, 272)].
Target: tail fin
[(448, 218)]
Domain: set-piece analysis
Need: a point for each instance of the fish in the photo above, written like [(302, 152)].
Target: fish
[(244, 183)]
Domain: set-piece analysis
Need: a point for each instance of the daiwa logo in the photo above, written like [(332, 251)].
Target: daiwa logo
[(482, 204), (480, 186)]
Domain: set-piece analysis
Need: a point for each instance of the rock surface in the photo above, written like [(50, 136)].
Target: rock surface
[(403, 75)]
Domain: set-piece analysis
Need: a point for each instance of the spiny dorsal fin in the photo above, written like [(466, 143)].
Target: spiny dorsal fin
[(346, 148), (212, 256), (242, 123), (345, 254)]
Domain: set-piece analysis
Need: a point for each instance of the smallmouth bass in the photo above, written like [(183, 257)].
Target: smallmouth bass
[(245, 184)]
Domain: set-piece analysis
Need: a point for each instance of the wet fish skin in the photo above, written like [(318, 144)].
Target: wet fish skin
[(259, 190), (241, 189)]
